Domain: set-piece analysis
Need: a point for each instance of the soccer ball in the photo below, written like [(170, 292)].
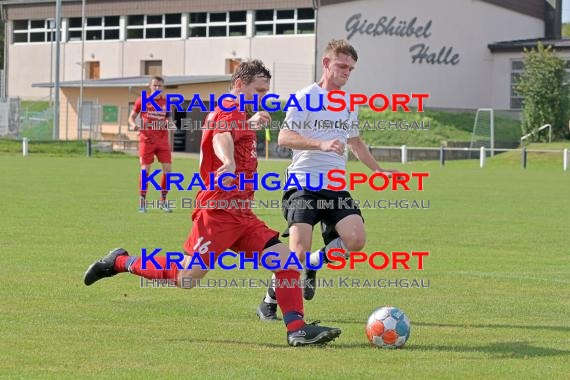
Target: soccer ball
[(388, 327)]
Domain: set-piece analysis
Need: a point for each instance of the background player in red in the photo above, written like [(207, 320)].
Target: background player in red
[(217, 230), (153, 141)]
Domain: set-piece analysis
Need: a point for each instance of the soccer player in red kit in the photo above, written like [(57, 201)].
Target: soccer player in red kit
[(232, 151), (152, 140)]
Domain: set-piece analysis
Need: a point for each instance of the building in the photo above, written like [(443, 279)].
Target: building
[(464, 53)]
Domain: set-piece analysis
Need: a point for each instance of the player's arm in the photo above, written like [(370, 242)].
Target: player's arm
[(293, 140), (133, 120), (224, 149), (361, 152)]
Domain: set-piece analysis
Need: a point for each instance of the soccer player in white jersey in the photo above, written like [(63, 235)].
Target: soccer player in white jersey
[(317, 151)]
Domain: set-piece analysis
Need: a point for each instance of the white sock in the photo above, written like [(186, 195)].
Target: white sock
[(270, 295), (336, 243)]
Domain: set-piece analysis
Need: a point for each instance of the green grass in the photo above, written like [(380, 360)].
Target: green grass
[(498, 268), (55, 148), (444, 126)]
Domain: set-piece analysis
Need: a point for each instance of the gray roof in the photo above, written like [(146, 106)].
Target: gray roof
[(520, 45), (140, 81)]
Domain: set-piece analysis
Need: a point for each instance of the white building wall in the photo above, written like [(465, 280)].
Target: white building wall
[(467, 26)]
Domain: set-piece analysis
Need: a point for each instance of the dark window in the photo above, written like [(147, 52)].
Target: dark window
[(20, 37), (135, 33), (75, 22), (37, 37), (198, 18), (237, 30), (136, 20), (37, 24), (154, 19), (217, 31), (94, 35), (20, 24), (218, 17), (172, 32), (305, 28), (112, 34), (94, 21), (198, 31), (154, 33), (264, 15), (264, 30), (172, 18), (112, 21), (237, 16), (285, 29), (286, 15), (305, 14)]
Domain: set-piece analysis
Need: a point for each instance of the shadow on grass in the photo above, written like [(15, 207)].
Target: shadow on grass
[(516, 350), (468, 326)]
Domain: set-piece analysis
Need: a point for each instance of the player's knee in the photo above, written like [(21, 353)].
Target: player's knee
[(187, 279), (354, 241)]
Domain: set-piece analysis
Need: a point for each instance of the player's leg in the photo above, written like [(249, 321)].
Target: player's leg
[(146, 158), (200, 240), (300, 232), (289, 295), (165, 158), (290, 299), (347, 220)]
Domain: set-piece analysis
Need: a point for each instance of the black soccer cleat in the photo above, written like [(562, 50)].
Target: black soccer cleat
[(312, 334), (104, 267), (310, 284), (267, 311)]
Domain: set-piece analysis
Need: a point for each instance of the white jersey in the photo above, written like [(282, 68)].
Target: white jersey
[(320, 125)]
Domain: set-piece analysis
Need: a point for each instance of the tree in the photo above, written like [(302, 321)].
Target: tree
[(543, 83)]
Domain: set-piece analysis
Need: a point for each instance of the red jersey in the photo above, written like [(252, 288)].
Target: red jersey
[(245, 154), (151, 115)]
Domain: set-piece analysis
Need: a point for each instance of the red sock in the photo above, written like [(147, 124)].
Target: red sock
[(151, 272), (120, 263), (290, 299), (141, 192), (163, 185)]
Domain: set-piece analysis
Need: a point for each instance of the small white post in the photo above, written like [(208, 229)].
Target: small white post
[(404, 154), (565, 159), (25, 147), (482, 157)]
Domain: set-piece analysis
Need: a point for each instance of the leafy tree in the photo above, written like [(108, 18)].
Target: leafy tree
[(544, 85)]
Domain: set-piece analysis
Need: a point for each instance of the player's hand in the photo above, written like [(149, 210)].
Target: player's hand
[(226, 168), (388, 172), (335, 145), (261, 117)]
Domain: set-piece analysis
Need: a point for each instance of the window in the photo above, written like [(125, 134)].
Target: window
[(92, 70), (284, 21), (96, 28), (33, 31), (516, 70), (154, 26), (217, 24), (153, 68), (231, 65)]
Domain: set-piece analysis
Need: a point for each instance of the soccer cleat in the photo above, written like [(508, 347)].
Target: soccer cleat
[(312, 334), (104, 267), (142, 205), (267, 311), (164, 206), (310, 284)]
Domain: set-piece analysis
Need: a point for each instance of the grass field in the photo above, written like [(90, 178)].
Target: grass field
[(497, 306)]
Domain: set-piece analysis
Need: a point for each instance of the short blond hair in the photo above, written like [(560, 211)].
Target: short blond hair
[(336, 47)]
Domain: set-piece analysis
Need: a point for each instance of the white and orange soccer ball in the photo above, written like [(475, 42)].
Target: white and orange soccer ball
[(388, 327)]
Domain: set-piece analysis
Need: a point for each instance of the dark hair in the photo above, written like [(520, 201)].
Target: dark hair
[(157, 78), (249, 70), (337, 47)]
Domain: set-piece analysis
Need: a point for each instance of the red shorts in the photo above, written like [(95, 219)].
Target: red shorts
[(147, 151), (220, 230)]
